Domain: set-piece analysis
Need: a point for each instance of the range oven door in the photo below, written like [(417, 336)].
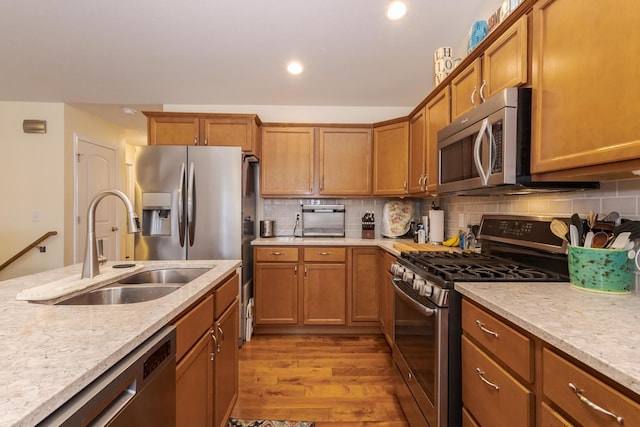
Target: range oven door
[(480, 154), (420, 354)]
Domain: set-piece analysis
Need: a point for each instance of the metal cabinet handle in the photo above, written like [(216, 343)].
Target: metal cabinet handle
[(221, 337), (305, 273), (485, 330), (405, 185), (324, 253), (484, 83), (420, 181), (215, 343), (276, 253), (425, 182), (473, 96), (195, 141), (206, 141), (592, 405), (295, 271), (486, 381)]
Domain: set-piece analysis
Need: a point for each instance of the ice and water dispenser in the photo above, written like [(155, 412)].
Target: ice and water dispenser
[(156, 214)]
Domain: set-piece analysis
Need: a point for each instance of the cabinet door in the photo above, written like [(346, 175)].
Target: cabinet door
[(386, 302), (276, 293), (226, 365), (364, 292), (438, 115), (324, 294), (586, 86), (390, 158), (173, 130), (230, 131), (465, 89), (417, 152), (287, 161), (194, 379), (505, 62), (345, 162)]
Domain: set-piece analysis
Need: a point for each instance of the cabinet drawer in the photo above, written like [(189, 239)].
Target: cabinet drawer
[(558, 373), (192, 325), (272, 253), (225, 294), (325, 254), (550, 418), (494, 397), (507, 344)]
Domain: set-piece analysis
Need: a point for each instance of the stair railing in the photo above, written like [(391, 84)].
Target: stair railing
[(29, 247)]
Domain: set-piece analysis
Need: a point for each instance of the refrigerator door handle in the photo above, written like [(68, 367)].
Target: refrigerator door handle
[(191, 203), (181, 205)]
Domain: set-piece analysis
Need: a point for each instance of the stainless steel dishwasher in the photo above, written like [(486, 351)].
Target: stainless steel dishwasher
[(139, 390)]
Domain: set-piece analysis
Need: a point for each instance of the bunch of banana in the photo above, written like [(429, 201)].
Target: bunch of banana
[(453, 242)]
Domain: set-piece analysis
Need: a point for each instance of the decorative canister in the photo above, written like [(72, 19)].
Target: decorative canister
[(478, 32), (442, 64), (601, 270)]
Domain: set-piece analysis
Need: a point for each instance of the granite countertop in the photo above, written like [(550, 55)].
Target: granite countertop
[(51, 352), (600, 330)]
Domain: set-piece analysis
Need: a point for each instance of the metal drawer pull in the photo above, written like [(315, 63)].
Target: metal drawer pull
[(486, 381), (221, 337), (592, 405), (276, 253), (485, 330), (324, 253), (215, 343)]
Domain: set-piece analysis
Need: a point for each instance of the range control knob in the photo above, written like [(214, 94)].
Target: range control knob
[(407, 276), (418, 283), (397, 269), (427, 289)]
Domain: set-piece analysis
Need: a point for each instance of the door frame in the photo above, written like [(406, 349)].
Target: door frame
[(77, 139)]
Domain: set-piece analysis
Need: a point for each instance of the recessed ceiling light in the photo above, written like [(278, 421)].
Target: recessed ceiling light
[(294, 67), (396, 10)]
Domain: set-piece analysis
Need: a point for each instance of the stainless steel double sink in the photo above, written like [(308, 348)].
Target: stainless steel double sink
[(139, 287)]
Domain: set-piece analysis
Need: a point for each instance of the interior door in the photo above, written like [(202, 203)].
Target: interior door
[(96, 170)]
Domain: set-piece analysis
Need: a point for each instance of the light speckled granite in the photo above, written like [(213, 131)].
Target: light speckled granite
[(386, 244), (50, 352), (600, 330)]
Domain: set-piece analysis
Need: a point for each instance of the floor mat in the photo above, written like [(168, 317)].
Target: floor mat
[(233, 422)]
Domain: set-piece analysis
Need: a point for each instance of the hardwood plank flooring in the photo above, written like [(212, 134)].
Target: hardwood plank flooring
[(332, 380)]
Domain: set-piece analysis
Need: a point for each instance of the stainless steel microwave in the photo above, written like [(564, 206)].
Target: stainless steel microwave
[(488, 150)]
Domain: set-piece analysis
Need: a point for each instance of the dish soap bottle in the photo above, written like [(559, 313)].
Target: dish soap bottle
[(422, 235)]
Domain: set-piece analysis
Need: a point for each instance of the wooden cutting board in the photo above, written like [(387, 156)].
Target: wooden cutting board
[(425, 247)]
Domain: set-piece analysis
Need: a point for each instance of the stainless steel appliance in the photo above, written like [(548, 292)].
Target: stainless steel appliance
[(426, 349), (323, 220), (488, 150), (267, 228), (140, 390), (197, 203)]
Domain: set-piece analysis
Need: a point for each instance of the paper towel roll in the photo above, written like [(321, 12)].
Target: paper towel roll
[(436, 226)]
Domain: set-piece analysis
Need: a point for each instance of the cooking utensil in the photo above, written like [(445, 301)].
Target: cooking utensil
[(573, 234), (600, 239), (612, 217), (631, 226), (577, 222), (621, 240), (588, 240), (559, 229), (591, 218)]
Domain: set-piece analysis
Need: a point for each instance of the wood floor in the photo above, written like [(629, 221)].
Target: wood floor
[(332, 380)]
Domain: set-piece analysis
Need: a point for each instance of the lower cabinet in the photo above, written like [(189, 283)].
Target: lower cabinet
[(363, 295), (386, 296), (324, 293), (207, 358)]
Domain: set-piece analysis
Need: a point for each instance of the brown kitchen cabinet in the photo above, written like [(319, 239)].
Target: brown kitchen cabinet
[(386, 295), (276, 285), (363, 289), (207, 358), (236, 130), (437, 116), (324, 286), (585, 102), (502, 64), (390, 159), (417, 152), (345, 161)]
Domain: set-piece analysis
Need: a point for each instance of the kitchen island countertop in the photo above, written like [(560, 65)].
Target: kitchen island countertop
[(600, 330), (51, 352)]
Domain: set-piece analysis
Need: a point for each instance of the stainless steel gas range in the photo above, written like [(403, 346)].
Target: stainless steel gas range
[(427, 329)]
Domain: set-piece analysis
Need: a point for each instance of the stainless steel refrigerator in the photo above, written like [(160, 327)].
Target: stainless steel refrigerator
[(197, 203)]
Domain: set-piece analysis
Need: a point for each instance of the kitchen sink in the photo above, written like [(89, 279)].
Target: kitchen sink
[(139, 287)]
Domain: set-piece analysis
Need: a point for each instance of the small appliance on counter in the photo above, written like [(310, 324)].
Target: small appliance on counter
[(267, 228), (323, 220)]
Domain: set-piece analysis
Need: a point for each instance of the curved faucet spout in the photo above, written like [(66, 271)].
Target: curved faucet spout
[(90, 267)]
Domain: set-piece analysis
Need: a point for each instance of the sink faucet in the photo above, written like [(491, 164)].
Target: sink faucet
[(90, 267)]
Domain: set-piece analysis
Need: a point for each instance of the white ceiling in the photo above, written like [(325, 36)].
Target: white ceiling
[(214, 52)]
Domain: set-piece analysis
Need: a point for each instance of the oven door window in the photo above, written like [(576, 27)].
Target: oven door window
[(416, 337)]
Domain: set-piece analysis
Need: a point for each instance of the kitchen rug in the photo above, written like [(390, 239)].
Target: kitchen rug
[(233, 422)]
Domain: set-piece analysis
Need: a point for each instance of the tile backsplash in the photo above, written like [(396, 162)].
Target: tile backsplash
[(622, 196)]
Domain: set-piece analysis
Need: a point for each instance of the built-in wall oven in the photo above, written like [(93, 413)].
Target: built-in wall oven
[(427, 330)]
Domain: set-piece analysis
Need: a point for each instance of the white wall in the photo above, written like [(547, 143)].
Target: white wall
[(31, 181)]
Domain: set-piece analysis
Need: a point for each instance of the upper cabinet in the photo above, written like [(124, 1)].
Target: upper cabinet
[(239, 130), (316, 161), (503, 64), (417, 152), (390, 159), (437, 116), (586, 86)]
